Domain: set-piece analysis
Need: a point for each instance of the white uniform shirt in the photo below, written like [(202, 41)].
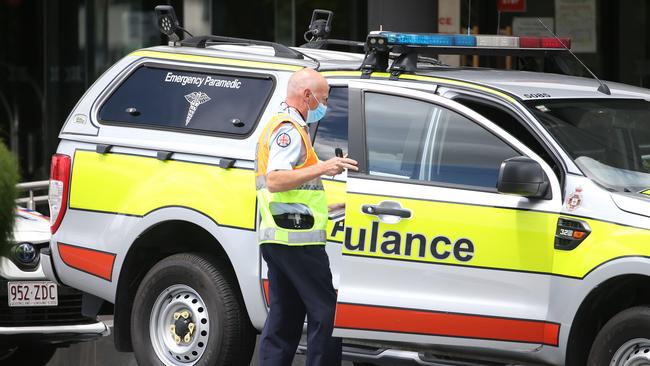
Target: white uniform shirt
[(286, 149)]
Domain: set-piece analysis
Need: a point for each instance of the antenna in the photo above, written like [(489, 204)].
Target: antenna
[(603, 88), (469, 17)]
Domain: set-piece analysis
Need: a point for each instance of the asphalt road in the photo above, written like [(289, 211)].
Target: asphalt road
[(102, 353)]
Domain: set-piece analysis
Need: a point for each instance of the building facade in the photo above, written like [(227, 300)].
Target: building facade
[(55, 49)]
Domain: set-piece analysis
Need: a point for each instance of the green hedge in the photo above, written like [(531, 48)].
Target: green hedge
[(8, 180)]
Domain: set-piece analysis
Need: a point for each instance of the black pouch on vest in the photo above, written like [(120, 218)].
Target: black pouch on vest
[(294, 221)]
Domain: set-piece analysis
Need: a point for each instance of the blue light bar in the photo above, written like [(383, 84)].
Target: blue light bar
[(463, 40), (418, 39)]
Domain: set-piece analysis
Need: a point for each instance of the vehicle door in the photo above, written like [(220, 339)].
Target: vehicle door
[(432, 253)]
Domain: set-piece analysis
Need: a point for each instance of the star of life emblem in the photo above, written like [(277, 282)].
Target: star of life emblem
[(283, 140), (574, 200), (195, 99)]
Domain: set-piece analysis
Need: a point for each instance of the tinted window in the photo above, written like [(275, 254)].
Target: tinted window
[(466, 153), (395, 133), (413, 139), (187, 100), (514, 126), (332, 131)]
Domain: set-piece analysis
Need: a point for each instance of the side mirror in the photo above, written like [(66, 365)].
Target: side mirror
[(523, 176)]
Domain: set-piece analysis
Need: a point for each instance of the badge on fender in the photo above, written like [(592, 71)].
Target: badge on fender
[(283, 140)]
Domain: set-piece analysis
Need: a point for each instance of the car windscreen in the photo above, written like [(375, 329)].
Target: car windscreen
[(609, 139)]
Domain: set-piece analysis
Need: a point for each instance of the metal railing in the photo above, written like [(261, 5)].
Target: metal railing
[(27, 193)]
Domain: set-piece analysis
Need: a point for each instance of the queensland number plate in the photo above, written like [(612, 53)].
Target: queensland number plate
[(32, 293)]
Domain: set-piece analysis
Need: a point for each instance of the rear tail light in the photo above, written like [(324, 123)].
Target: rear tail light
[(59, 185)]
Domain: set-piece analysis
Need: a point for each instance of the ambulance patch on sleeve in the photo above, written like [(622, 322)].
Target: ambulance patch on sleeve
[(283, 140)]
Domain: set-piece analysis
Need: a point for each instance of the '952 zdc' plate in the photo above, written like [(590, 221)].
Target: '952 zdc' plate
[(32, 293)]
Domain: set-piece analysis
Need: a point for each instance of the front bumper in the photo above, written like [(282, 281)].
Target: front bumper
[(60, 336), (61, 324), (61, 332)]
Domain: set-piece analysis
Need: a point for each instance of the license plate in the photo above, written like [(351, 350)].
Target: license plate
[(32, 293)]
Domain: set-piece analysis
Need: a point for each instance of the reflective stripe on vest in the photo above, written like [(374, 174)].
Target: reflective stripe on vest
[(310, 194)]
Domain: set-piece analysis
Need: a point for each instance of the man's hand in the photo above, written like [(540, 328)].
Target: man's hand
[(336, 165), (284, 180), (335, 206)]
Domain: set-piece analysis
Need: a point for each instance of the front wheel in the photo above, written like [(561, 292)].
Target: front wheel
[(624, 340), (187, 311)]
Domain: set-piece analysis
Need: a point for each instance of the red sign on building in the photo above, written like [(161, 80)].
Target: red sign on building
[(511, 6)]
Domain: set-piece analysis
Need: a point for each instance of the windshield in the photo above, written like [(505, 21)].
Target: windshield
[(609, 139)]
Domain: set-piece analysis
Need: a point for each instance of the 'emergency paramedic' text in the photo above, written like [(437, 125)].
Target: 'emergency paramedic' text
[(204, 80)]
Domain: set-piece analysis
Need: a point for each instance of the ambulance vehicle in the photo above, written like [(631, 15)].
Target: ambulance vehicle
[(498, 216)]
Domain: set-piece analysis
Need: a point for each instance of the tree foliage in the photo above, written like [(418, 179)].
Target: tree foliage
[(8, 180)]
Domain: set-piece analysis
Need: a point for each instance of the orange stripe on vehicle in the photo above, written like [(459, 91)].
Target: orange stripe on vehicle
[(265, 288), (94, 262), (265, 284), (387, 319)]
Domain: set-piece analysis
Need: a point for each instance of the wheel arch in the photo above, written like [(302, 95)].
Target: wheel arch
[(616, 286), (167, 232)]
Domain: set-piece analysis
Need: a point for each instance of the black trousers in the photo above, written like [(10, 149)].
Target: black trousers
[(300, 282)]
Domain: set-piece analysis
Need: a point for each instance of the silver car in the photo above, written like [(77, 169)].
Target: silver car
[(36, 315)]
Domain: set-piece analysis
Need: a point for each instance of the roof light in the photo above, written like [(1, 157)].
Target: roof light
[(382, 38), (418, 39), (529, 42), (464, 40), (380, 44), (556, 42), (497, 41), (544, 42)]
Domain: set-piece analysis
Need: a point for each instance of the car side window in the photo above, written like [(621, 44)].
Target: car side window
[(161, 98), (332, 131), (412, 139), (395, 129), (509, 123)]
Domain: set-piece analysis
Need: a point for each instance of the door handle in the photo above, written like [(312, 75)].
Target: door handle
[(378, 210)]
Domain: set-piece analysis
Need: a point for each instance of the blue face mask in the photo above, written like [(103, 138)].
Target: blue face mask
[(316, 114)]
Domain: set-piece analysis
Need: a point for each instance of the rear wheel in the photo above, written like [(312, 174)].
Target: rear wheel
[(187, 311), (624, 340)]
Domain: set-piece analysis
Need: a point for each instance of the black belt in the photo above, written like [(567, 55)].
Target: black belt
[(294, 221)]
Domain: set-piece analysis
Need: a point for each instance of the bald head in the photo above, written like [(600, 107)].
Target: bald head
[(305, 79), (306, 88)]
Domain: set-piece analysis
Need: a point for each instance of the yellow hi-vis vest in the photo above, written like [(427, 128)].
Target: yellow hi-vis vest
[(310, 194)]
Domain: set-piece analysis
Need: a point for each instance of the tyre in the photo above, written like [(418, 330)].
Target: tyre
[(624, 340), (27, 355), (188, 311)]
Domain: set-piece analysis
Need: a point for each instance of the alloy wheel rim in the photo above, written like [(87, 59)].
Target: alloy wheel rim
[(179, 326), (635, 352)]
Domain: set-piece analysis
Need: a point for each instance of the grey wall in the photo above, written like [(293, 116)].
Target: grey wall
[(403, 15)]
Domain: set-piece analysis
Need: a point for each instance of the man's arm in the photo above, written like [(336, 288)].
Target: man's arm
[(285, 180)]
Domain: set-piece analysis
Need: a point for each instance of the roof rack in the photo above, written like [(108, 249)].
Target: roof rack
[(320, 28), (323, 43), (203, 41), (168, 25)]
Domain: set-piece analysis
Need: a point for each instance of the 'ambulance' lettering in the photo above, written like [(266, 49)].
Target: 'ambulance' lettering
[(394, 243)]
